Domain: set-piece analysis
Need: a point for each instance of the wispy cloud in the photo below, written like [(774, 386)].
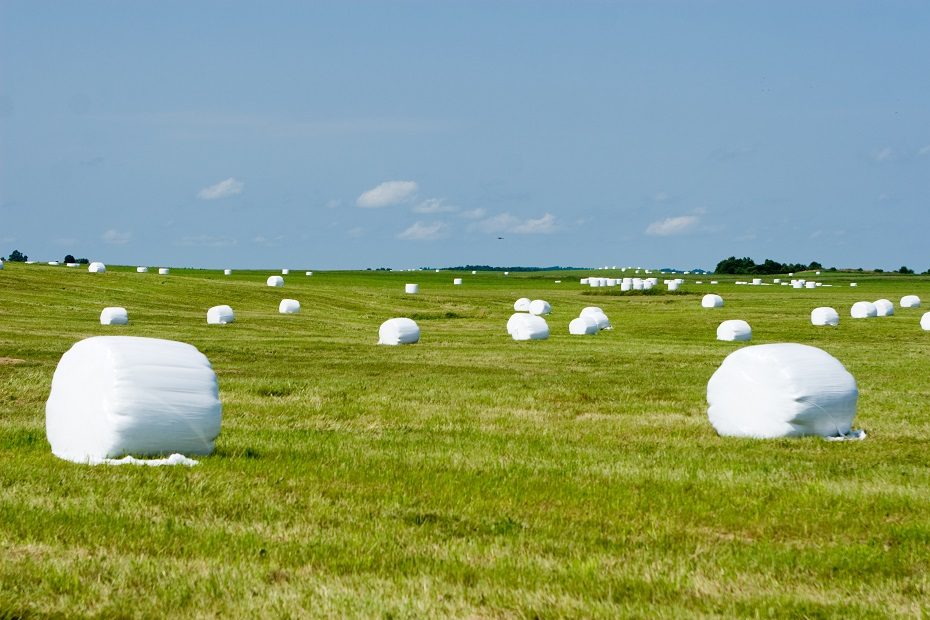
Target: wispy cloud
[(883, 154), (272, 242), (116, 237), (206, 241), (387, 194), (673, 226), (421, 231), (661, 197), (473, 214), (356, 233), (924, 150), (505, 222), (223, 189), (434, 205)]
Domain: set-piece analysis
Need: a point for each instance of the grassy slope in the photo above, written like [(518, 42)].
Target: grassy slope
[(468, 475)]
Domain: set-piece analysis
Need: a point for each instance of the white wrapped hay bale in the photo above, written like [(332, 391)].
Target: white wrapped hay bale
[(756, 281), (411, 289), (220, 315), (289, 306), (863, 310), (583, 326), (53, 263), (528, 327), (734, 330), (275, 281), (456, 281), (711, 301), (399, 331), (883, 307), (539, 307), (142, 269), (853, 284), (925, 322), (163, 271), (825, 316), (114, 316), (285, 272), (96, 267), (583, 281), (308, 273), (522, 305), (673, 285), (227, 272), (474, 272), (597, 315), (781, 390), (1, 264), (910, 301), (118, 395)]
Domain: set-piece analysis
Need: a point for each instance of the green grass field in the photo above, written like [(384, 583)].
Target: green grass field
[(467, 475)]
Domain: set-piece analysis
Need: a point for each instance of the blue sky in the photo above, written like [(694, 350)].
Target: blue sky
[(344, 135)]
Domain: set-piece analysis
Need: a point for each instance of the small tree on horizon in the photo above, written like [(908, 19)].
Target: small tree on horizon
[(69, 259), (17, 257)]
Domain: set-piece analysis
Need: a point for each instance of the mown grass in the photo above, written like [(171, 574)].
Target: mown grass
[(468, 475)]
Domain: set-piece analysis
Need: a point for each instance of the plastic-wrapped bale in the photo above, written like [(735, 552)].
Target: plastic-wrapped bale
[(289, 306), (308, 273), (118, 395), (220, 315), (411, 289), (142, 269), (528, 327), (925, 322), (456, 281), (96, 267), (781, 390), (756, 281), (163, 271), (734, 330), (473, 272), (810, 285), (825, 316), (863, 310), (1, 264), (883, 307), (712, 301), (539, 307), (399, 331), (53, 263), (71, 265), (275, 281), (114, 316), (227, 272), (910, 301), (598, 315), (583, 326), (285, 272), (853, 284), (522, 305)]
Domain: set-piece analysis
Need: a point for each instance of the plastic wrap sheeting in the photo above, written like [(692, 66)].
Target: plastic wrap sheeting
[(275, 281), (910, 301), (583, 326), (522, 305), (539, 307), (118, 395), (96, 267), (528, 327), (781, 390), (220, 315), (398, 331), (883, 307), (114, 316), (598, 315), (863, 310), (825, 316), (734, 330)]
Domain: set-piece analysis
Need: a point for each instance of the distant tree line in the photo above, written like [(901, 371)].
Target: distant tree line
[(748, 266), (514, 269), (18, 257)]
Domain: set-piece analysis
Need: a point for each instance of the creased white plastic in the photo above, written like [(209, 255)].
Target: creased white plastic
[(925, 322), (220, 315), (528, 327), (600, 318), (522, 305), (884, 307), (583, 326), (289, 306), (734, 330), (275, 281), (863, 310), (825, 316), (114, 316), (399, 331), (781, 390), (539, 307), (910, 301), (118, 395), (96, 267), (711, 301)]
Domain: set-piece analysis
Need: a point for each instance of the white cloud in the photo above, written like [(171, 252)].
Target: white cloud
[(356, 233), (208, 241), (434, 205), (116, 237), (387, 194), (661, 197), (223, 189), (505, 222), (473, 214), (420, 231), (884, 154), (673, 226), (924, 150)]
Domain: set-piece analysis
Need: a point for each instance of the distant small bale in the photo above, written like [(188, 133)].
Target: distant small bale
[(220, 315), (399, 331), (863, 310), (582, 326), (540, 307), (97, 267), (411, 289), (114, 316), (277, 281), (825, 316), (884, 307), (712, 301), (734, 330), (910, 301), (289, 306)]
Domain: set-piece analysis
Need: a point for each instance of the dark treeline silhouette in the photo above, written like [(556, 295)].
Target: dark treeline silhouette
[(748, 266)]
